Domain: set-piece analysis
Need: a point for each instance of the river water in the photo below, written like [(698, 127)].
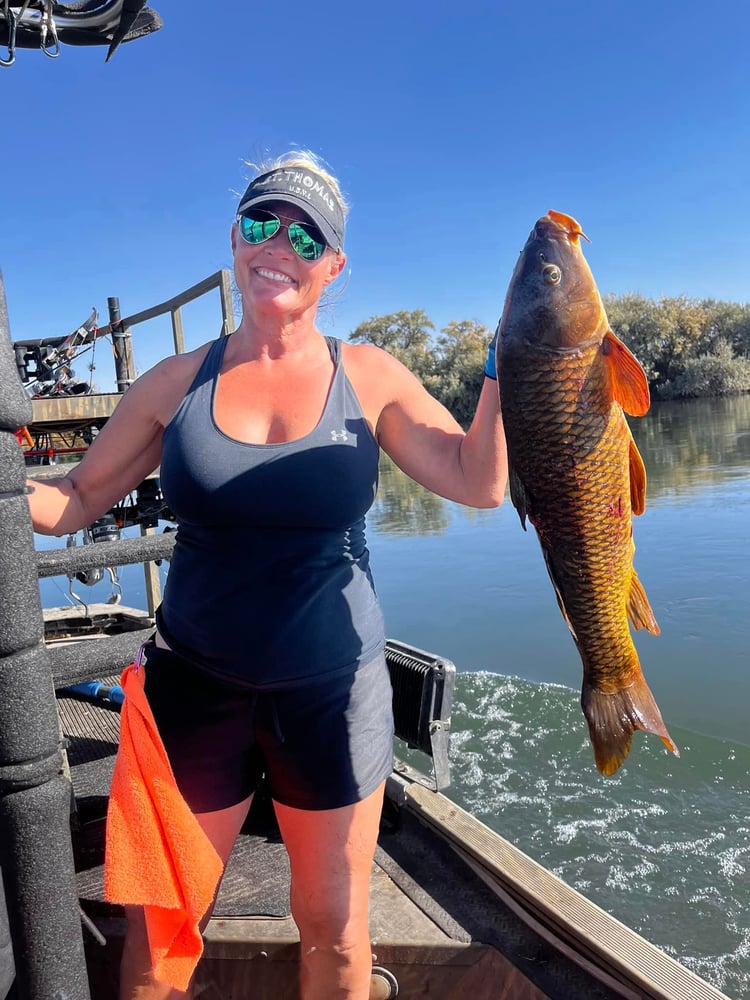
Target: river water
[(664, 845)]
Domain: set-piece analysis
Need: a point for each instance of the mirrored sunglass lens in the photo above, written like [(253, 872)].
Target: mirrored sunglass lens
[(258, 226), (304, 243)]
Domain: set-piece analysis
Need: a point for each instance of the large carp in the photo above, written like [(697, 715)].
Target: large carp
[(576, 473)]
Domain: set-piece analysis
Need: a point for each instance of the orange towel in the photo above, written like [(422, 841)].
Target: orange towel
[(157, 855)]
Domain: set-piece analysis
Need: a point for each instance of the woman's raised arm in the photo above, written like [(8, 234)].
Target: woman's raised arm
[(125, 451), (424, 439)]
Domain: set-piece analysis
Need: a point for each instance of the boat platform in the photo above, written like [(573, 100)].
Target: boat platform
[(455, 909)]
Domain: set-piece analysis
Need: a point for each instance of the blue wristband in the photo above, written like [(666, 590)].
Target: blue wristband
[(490, 366)]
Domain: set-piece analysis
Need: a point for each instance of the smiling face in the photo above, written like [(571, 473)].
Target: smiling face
[(273, 279)]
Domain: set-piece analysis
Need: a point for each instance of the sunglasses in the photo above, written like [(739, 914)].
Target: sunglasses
[(257, 226)]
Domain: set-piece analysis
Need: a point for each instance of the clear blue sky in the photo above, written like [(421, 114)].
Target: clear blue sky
[(452, 128)]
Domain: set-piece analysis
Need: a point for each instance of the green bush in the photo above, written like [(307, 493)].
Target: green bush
[(716, 374)]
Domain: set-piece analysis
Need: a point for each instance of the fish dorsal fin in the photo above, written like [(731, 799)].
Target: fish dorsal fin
[(628, 379), (639, 610), (637, 479)]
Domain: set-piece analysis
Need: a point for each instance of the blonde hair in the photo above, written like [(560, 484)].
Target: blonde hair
[(307, 160)]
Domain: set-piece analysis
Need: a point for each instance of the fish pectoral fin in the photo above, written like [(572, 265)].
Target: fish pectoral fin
[(614, 716), (639, 610), (518, 495), (637, 479), (628, 379)]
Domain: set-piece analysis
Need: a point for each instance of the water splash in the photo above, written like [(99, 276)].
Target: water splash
[(664, 845)]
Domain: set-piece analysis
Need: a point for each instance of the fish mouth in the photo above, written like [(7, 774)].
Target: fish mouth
[(556, 227), (568, 225)]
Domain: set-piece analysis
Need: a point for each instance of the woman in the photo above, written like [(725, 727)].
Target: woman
[(268, 445)]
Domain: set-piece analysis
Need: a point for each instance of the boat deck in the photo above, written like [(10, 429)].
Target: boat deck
[(438, 928)]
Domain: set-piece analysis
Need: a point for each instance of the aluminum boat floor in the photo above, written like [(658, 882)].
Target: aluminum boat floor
[(436, 925)]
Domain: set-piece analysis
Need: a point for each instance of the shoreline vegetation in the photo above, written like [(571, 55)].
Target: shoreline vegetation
[(689, 348)]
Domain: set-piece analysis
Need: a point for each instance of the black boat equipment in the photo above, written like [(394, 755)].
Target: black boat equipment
[(46, 24), (44, 364), (104, 529)]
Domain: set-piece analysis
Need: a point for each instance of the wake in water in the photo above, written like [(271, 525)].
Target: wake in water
[(664, 845)]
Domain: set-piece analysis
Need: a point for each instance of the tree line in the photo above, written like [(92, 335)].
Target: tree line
[(687, 347)]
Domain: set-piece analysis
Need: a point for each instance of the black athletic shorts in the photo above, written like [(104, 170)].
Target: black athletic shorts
[(322, 746)]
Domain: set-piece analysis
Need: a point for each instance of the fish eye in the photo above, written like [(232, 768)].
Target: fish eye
[(552, 274)]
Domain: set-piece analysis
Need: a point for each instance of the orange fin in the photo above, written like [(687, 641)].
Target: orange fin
[(613, 718), (639, 610), (637, 479), (628, 379)]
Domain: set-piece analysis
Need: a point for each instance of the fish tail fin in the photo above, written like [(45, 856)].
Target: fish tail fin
[(614, 716)]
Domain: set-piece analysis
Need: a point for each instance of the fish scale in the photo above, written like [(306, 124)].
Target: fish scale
[(587, 559)]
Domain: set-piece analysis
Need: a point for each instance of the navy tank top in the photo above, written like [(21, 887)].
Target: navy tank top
[(269, 583)]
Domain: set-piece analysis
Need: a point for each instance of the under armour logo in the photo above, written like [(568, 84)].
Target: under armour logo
[(339, 436)]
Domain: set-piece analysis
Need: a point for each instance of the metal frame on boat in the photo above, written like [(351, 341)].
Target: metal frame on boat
[(455, 907)]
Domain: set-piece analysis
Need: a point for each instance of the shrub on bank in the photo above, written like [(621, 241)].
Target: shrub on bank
[(715, 374)]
